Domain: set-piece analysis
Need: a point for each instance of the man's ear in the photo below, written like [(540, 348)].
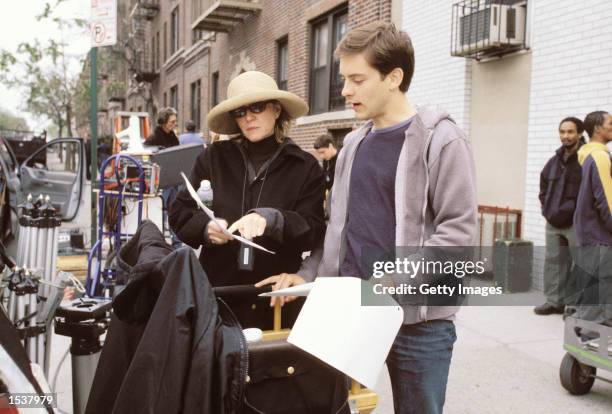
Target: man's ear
[(597, 128), (396, 76)]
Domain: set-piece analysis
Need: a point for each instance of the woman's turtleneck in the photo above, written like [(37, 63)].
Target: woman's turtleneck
[(259, 152)]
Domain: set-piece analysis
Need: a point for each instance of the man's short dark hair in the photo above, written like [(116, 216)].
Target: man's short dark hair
[(593, 120), (323, 141), (165, 114), (577, 122), (385, 48), (190, 126)]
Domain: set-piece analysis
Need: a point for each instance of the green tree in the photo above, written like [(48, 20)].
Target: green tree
[(41, 70)]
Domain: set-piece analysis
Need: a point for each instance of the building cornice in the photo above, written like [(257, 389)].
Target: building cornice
[(195, 51), (174, 60)]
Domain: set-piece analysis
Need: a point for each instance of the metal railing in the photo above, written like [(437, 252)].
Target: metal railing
[(498, 223), (495, 223)]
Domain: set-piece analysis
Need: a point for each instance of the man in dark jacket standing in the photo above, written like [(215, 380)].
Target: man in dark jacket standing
[(559, 185), (164, 135)]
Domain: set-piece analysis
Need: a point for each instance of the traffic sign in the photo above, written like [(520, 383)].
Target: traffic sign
[(103, 22)]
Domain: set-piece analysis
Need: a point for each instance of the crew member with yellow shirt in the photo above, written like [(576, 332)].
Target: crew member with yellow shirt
[(593, 220)]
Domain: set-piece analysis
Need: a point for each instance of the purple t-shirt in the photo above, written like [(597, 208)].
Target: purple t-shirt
[(370, 228)]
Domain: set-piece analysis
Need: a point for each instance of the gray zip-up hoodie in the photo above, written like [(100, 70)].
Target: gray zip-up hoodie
[(435, 201)]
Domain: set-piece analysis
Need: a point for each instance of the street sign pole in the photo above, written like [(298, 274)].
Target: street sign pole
[(93, 79), (103, 27)]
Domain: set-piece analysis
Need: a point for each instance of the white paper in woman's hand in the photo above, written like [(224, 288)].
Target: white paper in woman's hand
[(211, 215)]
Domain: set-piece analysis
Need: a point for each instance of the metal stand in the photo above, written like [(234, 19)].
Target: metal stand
[(84, 320), (32, 317), (36, 251), (101, 280), (32, 295), (38, 233)]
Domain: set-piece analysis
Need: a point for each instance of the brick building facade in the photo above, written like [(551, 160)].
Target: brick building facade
[(189, 61)]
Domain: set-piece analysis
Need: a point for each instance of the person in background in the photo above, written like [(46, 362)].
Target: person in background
[(593, 222), (327, 151), (163, 135), (559, 185), (191, 137)]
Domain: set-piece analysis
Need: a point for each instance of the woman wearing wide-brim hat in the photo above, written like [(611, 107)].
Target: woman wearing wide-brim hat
[(265, 188)]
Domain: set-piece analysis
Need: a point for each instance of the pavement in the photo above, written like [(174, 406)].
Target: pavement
[(506, 360)]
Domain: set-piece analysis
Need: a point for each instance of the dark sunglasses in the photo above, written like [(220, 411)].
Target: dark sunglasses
[(256, 108)]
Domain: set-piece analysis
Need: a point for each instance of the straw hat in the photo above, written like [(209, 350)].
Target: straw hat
[(247, 88)]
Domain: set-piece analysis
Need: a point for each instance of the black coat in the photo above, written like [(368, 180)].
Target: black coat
[(293, 185), (170, 348), (329, 167), (161, 138), (559, 185)]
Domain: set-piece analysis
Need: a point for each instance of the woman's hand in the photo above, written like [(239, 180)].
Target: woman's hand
[(249, 226), (215, 235), (282, 281)]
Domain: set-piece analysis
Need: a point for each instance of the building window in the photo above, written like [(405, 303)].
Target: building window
[(174, 31), (214, 89), (282, 61), (153, 53), (174, 97), (195, 103), (165, 41), (325, 82), (157, 57), (165, 99)]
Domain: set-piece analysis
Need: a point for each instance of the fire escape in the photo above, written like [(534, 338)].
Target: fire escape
[(140, 50), (222, 15)]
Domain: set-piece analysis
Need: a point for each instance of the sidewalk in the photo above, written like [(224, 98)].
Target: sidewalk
[(506, 360)]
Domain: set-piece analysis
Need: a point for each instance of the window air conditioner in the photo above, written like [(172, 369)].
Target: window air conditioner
[(496, 26)]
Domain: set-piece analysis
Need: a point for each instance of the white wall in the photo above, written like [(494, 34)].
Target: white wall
[(571, 75), (439, 79)]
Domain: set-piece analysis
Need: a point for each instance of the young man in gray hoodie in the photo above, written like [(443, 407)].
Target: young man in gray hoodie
[(404, 181)]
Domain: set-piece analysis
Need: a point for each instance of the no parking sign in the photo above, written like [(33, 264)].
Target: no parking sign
[(103, 22)]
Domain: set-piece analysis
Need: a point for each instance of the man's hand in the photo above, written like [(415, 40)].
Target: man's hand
[(215, 235), (249, 226), (282, 281)]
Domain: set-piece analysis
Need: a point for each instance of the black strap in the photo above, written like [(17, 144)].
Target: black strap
[(5, 260)]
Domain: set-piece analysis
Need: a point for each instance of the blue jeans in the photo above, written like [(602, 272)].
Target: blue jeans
[(418, 365)]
